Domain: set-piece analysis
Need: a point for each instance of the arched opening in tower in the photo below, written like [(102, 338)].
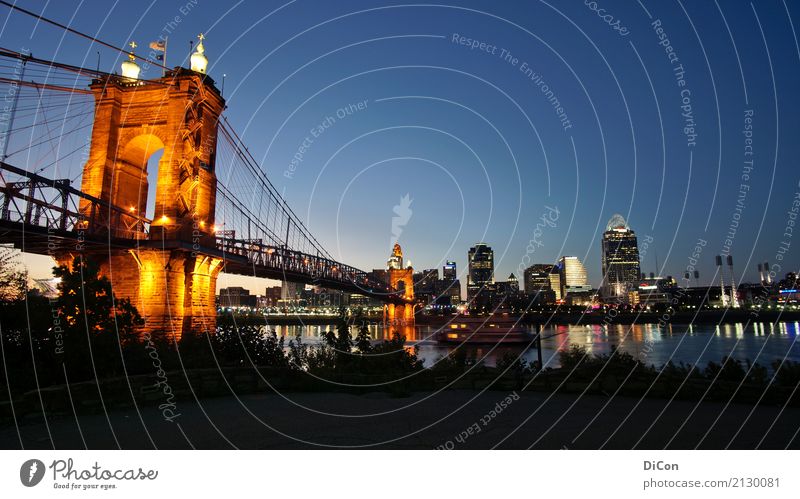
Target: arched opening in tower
[(138, 162)]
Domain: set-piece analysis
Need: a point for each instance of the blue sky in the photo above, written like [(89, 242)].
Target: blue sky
[(474, 139)]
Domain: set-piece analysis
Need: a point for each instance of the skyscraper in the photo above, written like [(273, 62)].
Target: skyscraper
[(450, 285), (509, 287), (396, 258), (537, 278), (449, 272), (573, 275), (425, 284), (481, 269), (538, 285), (555, 282), (620, 259)]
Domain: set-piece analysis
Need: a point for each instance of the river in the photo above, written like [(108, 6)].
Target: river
[(651, 343)]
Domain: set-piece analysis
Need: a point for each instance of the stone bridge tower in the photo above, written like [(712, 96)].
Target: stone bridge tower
[(167, 278), (400, 317)]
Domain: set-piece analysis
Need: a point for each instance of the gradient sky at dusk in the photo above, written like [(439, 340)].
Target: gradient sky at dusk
[(472, 139)]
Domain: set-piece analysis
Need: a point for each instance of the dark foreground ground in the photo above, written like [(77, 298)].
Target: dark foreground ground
[(421, 421)]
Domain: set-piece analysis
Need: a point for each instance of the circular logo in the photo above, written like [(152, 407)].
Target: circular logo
[(31, 472)]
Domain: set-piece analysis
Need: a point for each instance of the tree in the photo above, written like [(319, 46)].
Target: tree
[(341, 342), (247, 344), (13, 281), (362, 342), (344, 341), (96, 324)]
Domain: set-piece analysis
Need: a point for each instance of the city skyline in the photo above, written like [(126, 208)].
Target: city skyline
[(257, 284)]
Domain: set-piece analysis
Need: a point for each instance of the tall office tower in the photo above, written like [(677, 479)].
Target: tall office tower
[(620, 259), (573, 275), (396, 258), (450, 284), (481, 269), (449, 272), (536, 278), (426, 279), (425, 284)]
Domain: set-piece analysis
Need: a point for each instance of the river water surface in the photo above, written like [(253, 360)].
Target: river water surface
[(651, 343)]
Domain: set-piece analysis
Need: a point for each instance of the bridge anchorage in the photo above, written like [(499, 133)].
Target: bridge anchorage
[(167, 264)]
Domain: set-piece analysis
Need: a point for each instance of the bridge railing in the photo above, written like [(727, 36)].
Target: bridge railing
[(53, 204), (35, 201), (316, 267)]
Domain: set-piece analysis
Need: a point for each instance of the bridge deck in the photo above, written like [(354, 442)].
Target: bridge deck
[(240, 257)]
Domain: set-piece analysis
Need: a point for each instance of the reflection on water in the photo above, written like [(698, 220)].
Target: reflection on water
[(651, 343)]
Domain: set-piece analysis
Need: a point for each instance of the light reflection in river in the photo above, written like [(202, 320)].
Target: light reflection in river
[(651, 343)]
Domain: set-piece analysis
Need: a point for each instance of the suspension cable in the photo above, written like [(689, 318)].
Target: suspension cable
[(76, 32)]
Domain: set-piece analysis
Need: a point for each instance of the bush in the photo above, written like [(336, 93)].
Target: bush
[(787, 373), (680, 371), (572, 357), (729, 370), (618, 362), (512, 364), (247, 345), (456, 361)]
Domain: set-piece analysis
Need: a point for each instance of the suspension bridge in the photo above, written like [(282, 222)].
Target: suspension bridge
[(76, 155)]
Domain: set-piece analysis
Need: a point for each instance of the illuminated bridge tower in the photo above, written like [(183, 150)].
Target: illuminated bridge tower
[(401, 280), (167, 277)]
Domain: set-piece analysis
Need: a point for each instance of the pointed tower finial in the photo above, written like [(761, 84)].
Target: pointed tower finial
[(130, 70), (198, 59)]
